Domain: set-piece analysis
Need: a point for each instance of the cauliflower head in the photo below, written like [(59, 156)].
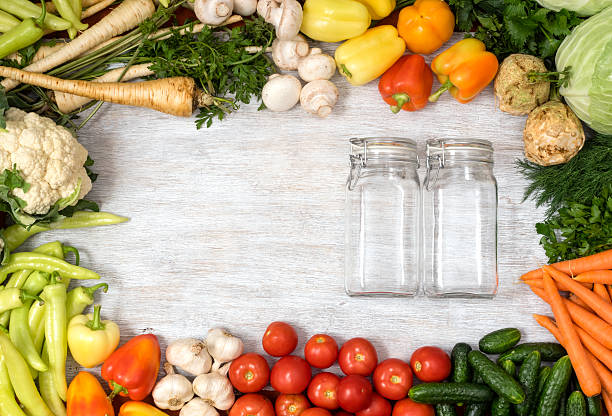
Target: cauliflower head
[(48, 158)]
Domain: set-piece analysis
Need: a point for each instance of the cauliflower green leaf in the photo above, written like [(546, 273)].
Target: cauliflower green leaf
[(9, 181)]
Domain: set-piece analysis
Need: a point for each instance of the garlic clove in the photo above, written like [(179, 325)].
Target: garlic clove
[(198, 407), (190, 355), (215, 389), (172, 391)]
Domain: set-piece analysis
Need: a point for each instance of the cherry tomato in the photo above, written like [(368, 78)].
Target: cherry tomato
[(354, 393), (316, 411), (252, 405), (430, 364), (280, 339), (291, 404), (249, 373), (392, 379), (379, 406), (357, 356), (322, 390), (290, 375), (407, 407), (321, 351)]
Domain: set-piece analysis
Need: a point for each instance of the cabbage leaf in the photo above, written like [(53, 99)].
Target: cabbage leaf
[(582, 7)]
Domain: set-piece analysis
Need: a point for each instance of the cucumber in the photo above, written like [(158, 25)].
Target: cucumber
[(542, 377), (563, 402), (499, 341), (461, 369), (451, 393), (593, 404), (496, 378), (528, 377), (576, 405), (445, 409), (549, 351), (501, 406), (476, 409), (554, 387)]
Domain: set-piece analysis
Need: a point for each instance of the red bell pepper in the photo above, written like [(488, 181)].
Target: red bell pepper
[(407, 84), (86, 397), (132, 369), (139, 409)]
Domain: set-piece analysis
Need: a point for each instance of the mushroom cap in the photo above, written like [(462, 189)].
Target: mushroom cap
[(287, 53), (245, 7), (514, 92), (553, 134), (316, 65), (287, 19), (281, 92), (213, 12), (319, 97), (265, 7)]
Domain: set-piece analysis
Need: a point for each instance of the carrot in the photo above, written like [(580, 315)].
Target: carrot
[(600, 306), (538, 283), (602, 291), (602, 353), (588, 379), (607, 401), (610, 291), (591, 323), (129, 14), (545, 322), (605, 376), (579, 302), (595, 276), (599, 261), (176, 95), (535, 283)]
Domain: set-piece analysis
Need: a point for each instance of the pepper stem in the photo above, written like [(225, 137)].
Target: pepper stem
[(445, 87), (93, 289), (41, 19), (55, 278), (96, 323), (117, 389), (25, 296), (70, 249), (400, 98)]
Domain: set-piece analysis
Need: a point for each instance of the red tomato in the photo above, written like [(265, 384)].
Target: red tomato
[(392, 379), (252, 405), (290, 375), (430, 364), (322, 390), (407, 407), (357, 356), (291, 404), (321, 351), (249, 373), (354, 393), (280, 339), (343, 413), (316, 411), (379, 406)]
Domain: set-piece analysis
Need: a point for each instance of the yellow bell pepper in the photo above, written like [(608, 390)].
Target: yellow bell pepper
[(91, 340), (365, 58), (379, 9), (334, 20)]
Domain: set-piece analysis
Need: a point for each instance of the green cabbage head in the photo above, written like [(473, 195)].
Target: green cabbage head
[(588, 51), (582, 7)]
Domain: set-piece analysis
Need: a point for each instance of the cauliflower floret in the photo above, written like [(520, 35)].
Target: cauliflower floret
[(49, 158)]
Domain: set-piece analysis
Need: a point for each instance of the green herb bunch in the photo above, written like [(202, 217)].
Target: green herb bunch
[(579, 230)]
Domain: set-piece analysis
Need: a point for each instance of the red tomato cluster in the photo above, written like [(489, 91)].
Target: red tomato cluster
[(367, 388)]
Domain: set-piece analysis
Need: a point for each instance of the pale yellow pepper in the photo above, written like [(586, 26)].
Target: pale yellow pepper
[(334, 20), (91, 340), (366, 57), (379, 9)]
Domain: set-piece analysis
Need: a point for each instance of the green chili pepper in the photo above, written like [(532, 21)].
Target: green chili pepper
[(48, 390), (64, 8), (36, 323), (45, 263), (8, 404), (16, 235), (36, 282), (21, 380), (7, 22), (21, 36), (81, 297), (19, 332), (56, 322), (12, 298), (25, 9)]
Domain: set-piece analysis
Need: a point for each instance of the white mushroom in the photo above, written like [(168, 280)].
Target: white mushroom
[(245, 7), (287, 53), (281, 92), (319, 97), (317, 65), (213, 12), (286, 16)]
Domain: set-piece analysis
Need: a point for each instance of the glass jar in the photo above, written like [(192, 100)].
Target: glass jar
[(383, 200), (460, 219)]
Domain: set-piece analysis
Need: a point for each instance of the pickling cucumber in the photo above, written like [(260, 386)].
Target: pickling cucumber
[(528, 377), (451, 393), (500, 405), (461, 369), (496, 378), (476, 409), (576, 405), (549, 351), (554, 388), (445, 409), (499, 341), (542, 377)]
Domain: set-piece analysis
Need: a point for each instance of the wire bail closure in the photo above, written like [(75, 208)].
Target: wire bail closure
[(430, 161)]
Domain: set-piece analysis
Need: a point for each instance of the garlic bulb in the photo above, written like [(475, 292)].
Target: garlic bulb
[(172, 391), (223, 346), (190, 355), (215, 389), (198, 407)]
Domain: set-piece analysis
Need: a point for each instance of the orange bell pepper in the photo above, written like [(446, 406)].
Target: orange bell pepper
[(464, 70), (426, 25), (86, 397), (139, 409)]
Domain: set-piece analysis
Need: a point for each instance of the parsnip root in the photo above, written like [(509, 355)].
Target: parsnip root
[(96, 8)]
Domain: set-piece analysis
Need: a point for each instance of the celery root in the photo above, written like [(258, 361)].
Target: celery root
[(176, 96)]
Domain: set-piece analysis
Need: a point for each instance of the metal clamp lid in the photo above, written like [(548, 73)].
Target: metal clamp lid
[(429, 161)]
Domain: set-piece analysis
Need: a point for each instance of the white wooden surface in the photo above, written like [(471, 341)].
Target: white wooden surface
[(243, 224)]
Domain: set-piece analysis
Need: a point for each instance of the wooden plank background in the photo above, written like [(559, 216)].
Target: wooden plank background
[(243, 224)]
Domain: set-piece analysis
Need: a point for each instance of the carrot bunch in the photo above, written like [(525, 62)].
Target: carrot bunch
[(583, 321)]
